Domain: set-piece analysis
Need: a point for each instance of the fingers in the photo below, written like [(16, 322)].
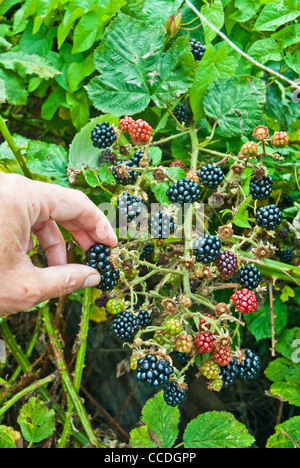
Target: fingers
[(77, 214), (53, 243)]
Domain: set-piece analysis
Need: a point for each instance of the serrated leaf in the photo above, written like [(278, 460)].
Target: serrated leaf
[(9, 438), (161, 419), (259, 323), (159, 191), (5, 151), (286, 391), (283, 369), (137, 70), (139, 438), (287, 434), (293, 61), (37, 422), (236, 103), (216, 430)]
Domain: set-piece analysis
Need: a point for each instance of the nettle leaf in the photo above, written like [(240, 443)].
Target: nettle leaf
[(37, 422), (137, 71), (266, 50), (214, 65), (162, 420), (82, 152), (214, 13), (286, 434), (236, 103), (9, 438), (259, 323), (25, 64), (216, 430), (286, 391), (274, 15)]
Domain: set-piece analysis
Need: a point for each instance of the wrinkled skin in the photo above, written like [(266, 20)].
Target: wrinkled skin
[(28, 207)]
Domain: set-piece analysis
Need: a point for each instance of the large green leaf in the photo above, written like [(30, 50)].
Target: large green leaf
[(216, 430), (286, 391), (266, 50), (283, 369), (136, 71), (236, 103), (9, 438), (287, 434), (274, 15), (37, 422)]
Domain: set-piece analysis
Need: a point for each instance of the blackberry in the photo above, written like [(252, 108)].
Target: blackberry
[(268, 217), (161, 225), (182, 114), (122, 175), (125, 326), (129, 207), (283, 233), (183, 191), (194, 284), (227, 264), (211, 176), (288, 201), (103, 135), (137, 157), (229, 373), (153, 371), (249, 277), (261, 189), (182, 358), (115, 306), (286, 256), (210, 369), (207, 248), (173, 394), (98, 257), (250, 366), (147, 250), (178, 163), (107, 156), (197, 49), (144, 318)]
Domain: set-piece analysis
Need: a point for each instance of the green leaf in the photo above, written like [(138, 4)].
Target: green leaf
[(82, 152), (286, 391), (288, 36), (287, 293), (77, 71), (293, 61), (25, 64), (137, 70), (37, 422), (13, 89), (286, 434), (283, 369), (9, 438), (55, 100), (246, 10), (266, 50), (6, 153), (288, 342), (159, 191), (236, 103), (161, 419), (86, 31), (274, 15), (79, 108), (216, 430), (48, 160), (214, 13), (139, 438), (259, 323), (156, 155)]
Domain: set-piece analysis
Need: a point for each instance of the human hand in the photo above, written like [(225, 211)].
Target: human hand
[(34, 207)]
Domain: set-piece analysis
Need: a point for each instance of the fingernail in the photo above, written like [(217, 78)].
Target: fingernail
[(91, 281)]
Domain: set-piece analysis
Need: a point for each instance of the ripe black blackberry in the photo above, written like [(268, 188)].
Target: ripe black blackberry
[(182, 114), (197, 49), (103, 135), (249, 277), (125, 326), (173, 394), (283, 233), (229, 373), (136, 159), (98, 257), (287, 256), (129, 207), (107, 156), (182, 358), (250, 366), (147, 250), (144, 318), (268, 217), (227, 264), (153, 371), (261, 189), (161, 225), (207, 248), (183, 191), (211, 176), (122, 175)]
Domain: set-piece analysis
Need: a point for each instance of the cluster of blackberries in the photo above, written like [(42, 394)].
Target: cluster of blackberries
[(197, 49), (125, 326), (148, 250), (182, 114), (152, 371), (107, 156), (249, 277), (136, 159), (287, 256), (98, 257), (183, 191), (161, 225), (173, 394), (227, 264), (129, 207), (268, 217), (122, 174), (207, 248), (211, 176), (103, 135), (144, 318), (261, 189), (247, 370)]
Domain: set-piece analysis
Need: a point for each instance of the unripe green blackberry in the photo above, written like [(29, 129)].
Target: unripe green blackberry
[(134, 359), (215, 385), (184, 343), (210, 369), (115, 306), (161, 337), (173, 326)]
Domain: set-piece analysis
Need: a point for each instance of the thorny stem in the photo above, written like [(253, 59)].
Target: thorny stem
[(272, 316)]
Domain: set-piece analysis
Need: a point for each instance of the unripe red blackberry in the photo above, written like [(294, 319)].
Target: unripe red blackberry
[(210, 369), (227, 264), (184, 343), (280, 139), (245, 301), (204, 342), (192, 175), (125, 124), (204, 325), (178, 163), (249, 149), (222, 355), (141, 132)]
